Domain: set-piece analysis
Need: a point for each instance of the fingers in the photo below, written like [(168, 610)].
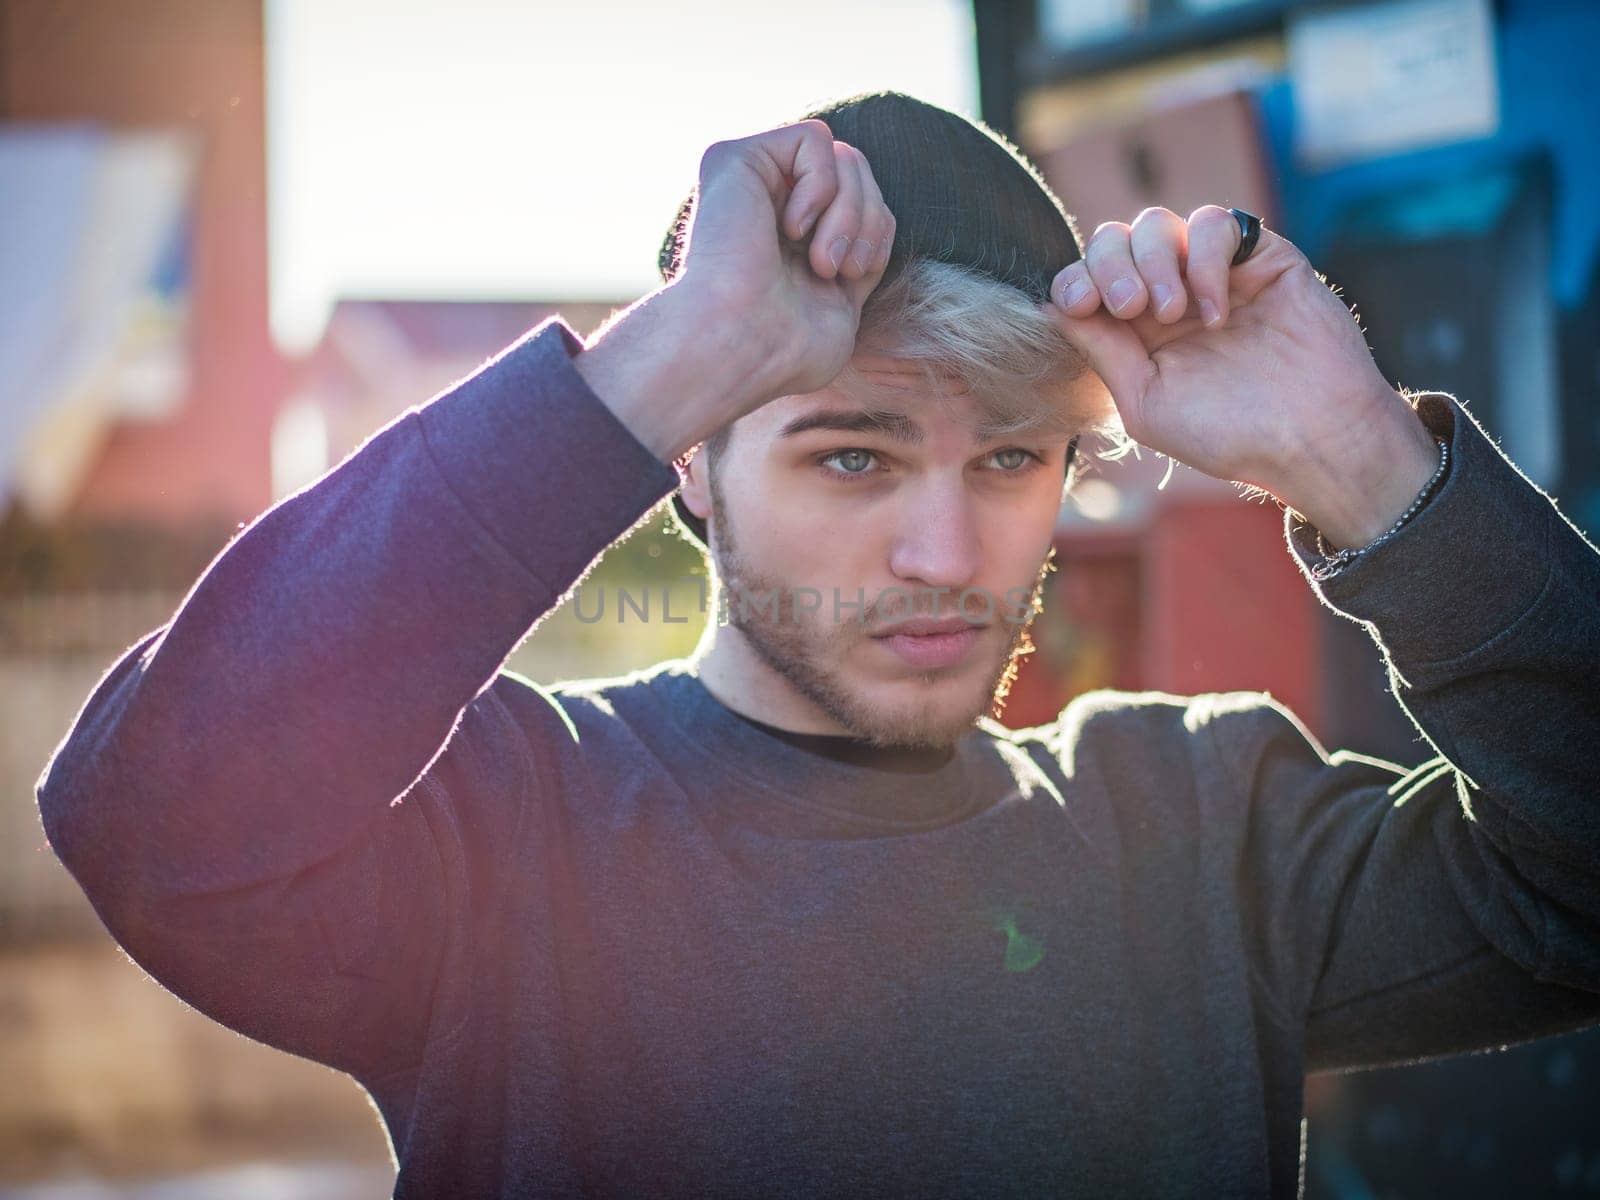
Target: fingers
[(1156, 264), (826, 190), (836, 231), (1159, 244), (1110, 263), (1073, 290), (795, 165), (1105, 274), (804, 154), (877, 223), (1137, 268), (856, 233), (874, 242), (1214, 238)]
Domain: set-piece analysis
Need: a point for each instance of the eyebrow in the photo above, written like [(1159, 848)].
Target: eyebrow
[(896, 426)]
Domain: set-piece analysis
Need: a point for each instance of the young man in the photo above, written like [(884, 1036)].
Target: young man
[(795, 916)]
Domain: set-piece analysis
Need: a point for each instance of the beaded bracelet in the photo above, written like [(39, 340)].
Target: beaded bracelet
[(1339, 559)]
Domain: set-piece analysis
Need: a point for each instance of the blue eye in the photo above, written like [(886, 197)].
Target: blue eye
[(1016, 460), (855, 463), (862, 459)]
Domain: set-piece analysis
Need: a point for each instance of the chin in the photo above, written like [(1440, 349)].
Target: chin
[(874, 695), (928, 709)]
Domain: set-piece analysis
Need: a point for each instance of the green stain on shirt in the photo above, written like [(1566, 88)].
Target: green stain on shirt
[(1023, 953)]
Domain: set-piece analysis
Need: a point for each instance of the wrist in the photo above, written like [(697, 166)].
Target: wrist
[(674, 368), (1356, 498), (1334, 560)]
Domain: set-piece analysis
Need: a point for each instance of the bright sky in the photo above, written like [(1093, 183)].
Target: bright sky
[(520, 149)]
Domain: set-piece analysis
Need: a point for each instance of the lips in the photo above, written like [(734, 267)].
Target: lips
[(927, 644), (929, 626)]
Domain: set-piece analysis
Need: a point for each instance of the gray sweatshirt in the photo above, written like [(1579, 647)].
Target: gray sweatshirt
[(607, 938)]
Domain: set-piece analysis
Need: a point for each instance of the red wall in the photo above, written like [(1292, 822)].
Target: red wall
[(1227, 608), (198, 65), (1207, 598)]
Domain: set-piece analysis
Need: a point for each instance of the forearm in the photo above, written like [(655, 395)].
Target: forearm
[(672, 367), (320, 663), (1487, 607), (1355, 487), (1455, 904)]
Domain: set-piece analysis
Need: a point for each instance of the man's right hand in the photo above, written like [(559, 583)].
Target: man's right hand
[(789, 236)]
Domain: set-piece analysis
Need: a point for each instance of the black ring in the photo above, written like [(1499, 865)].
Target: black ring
[(1250, 230)]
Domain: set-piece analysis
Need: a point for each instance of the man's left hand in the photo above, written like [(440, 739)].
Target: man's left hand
[(1255, 373)]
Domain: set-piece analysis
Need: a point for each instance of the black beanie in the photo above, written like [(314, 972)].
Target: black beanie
[(960, 193)]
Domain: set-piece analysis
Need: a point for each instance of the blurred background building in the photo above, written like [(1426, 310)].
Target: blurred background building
[(1435, 158)]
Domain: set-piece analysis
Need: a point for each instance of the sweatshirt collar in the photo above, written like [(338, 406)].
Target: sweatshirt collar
[(794, 791)]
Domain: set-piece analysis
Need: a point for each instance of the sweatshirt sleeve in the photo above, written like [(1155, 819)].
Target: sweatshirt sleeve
[(1406, 914), (239, 796)]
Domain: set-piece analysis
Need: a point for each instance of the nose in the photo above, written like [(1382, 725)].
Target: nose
[(937, 542)]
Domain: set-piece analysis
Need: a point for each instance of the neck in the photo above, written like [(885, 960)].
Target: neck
[(743, 681)]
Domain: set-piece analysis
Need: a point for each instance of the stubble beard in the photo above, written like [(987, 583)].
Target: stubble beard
[(801, 649)]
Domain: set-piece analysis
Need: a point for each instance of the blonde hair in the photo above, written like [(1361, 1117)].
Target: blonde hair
[(1013, 358)]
